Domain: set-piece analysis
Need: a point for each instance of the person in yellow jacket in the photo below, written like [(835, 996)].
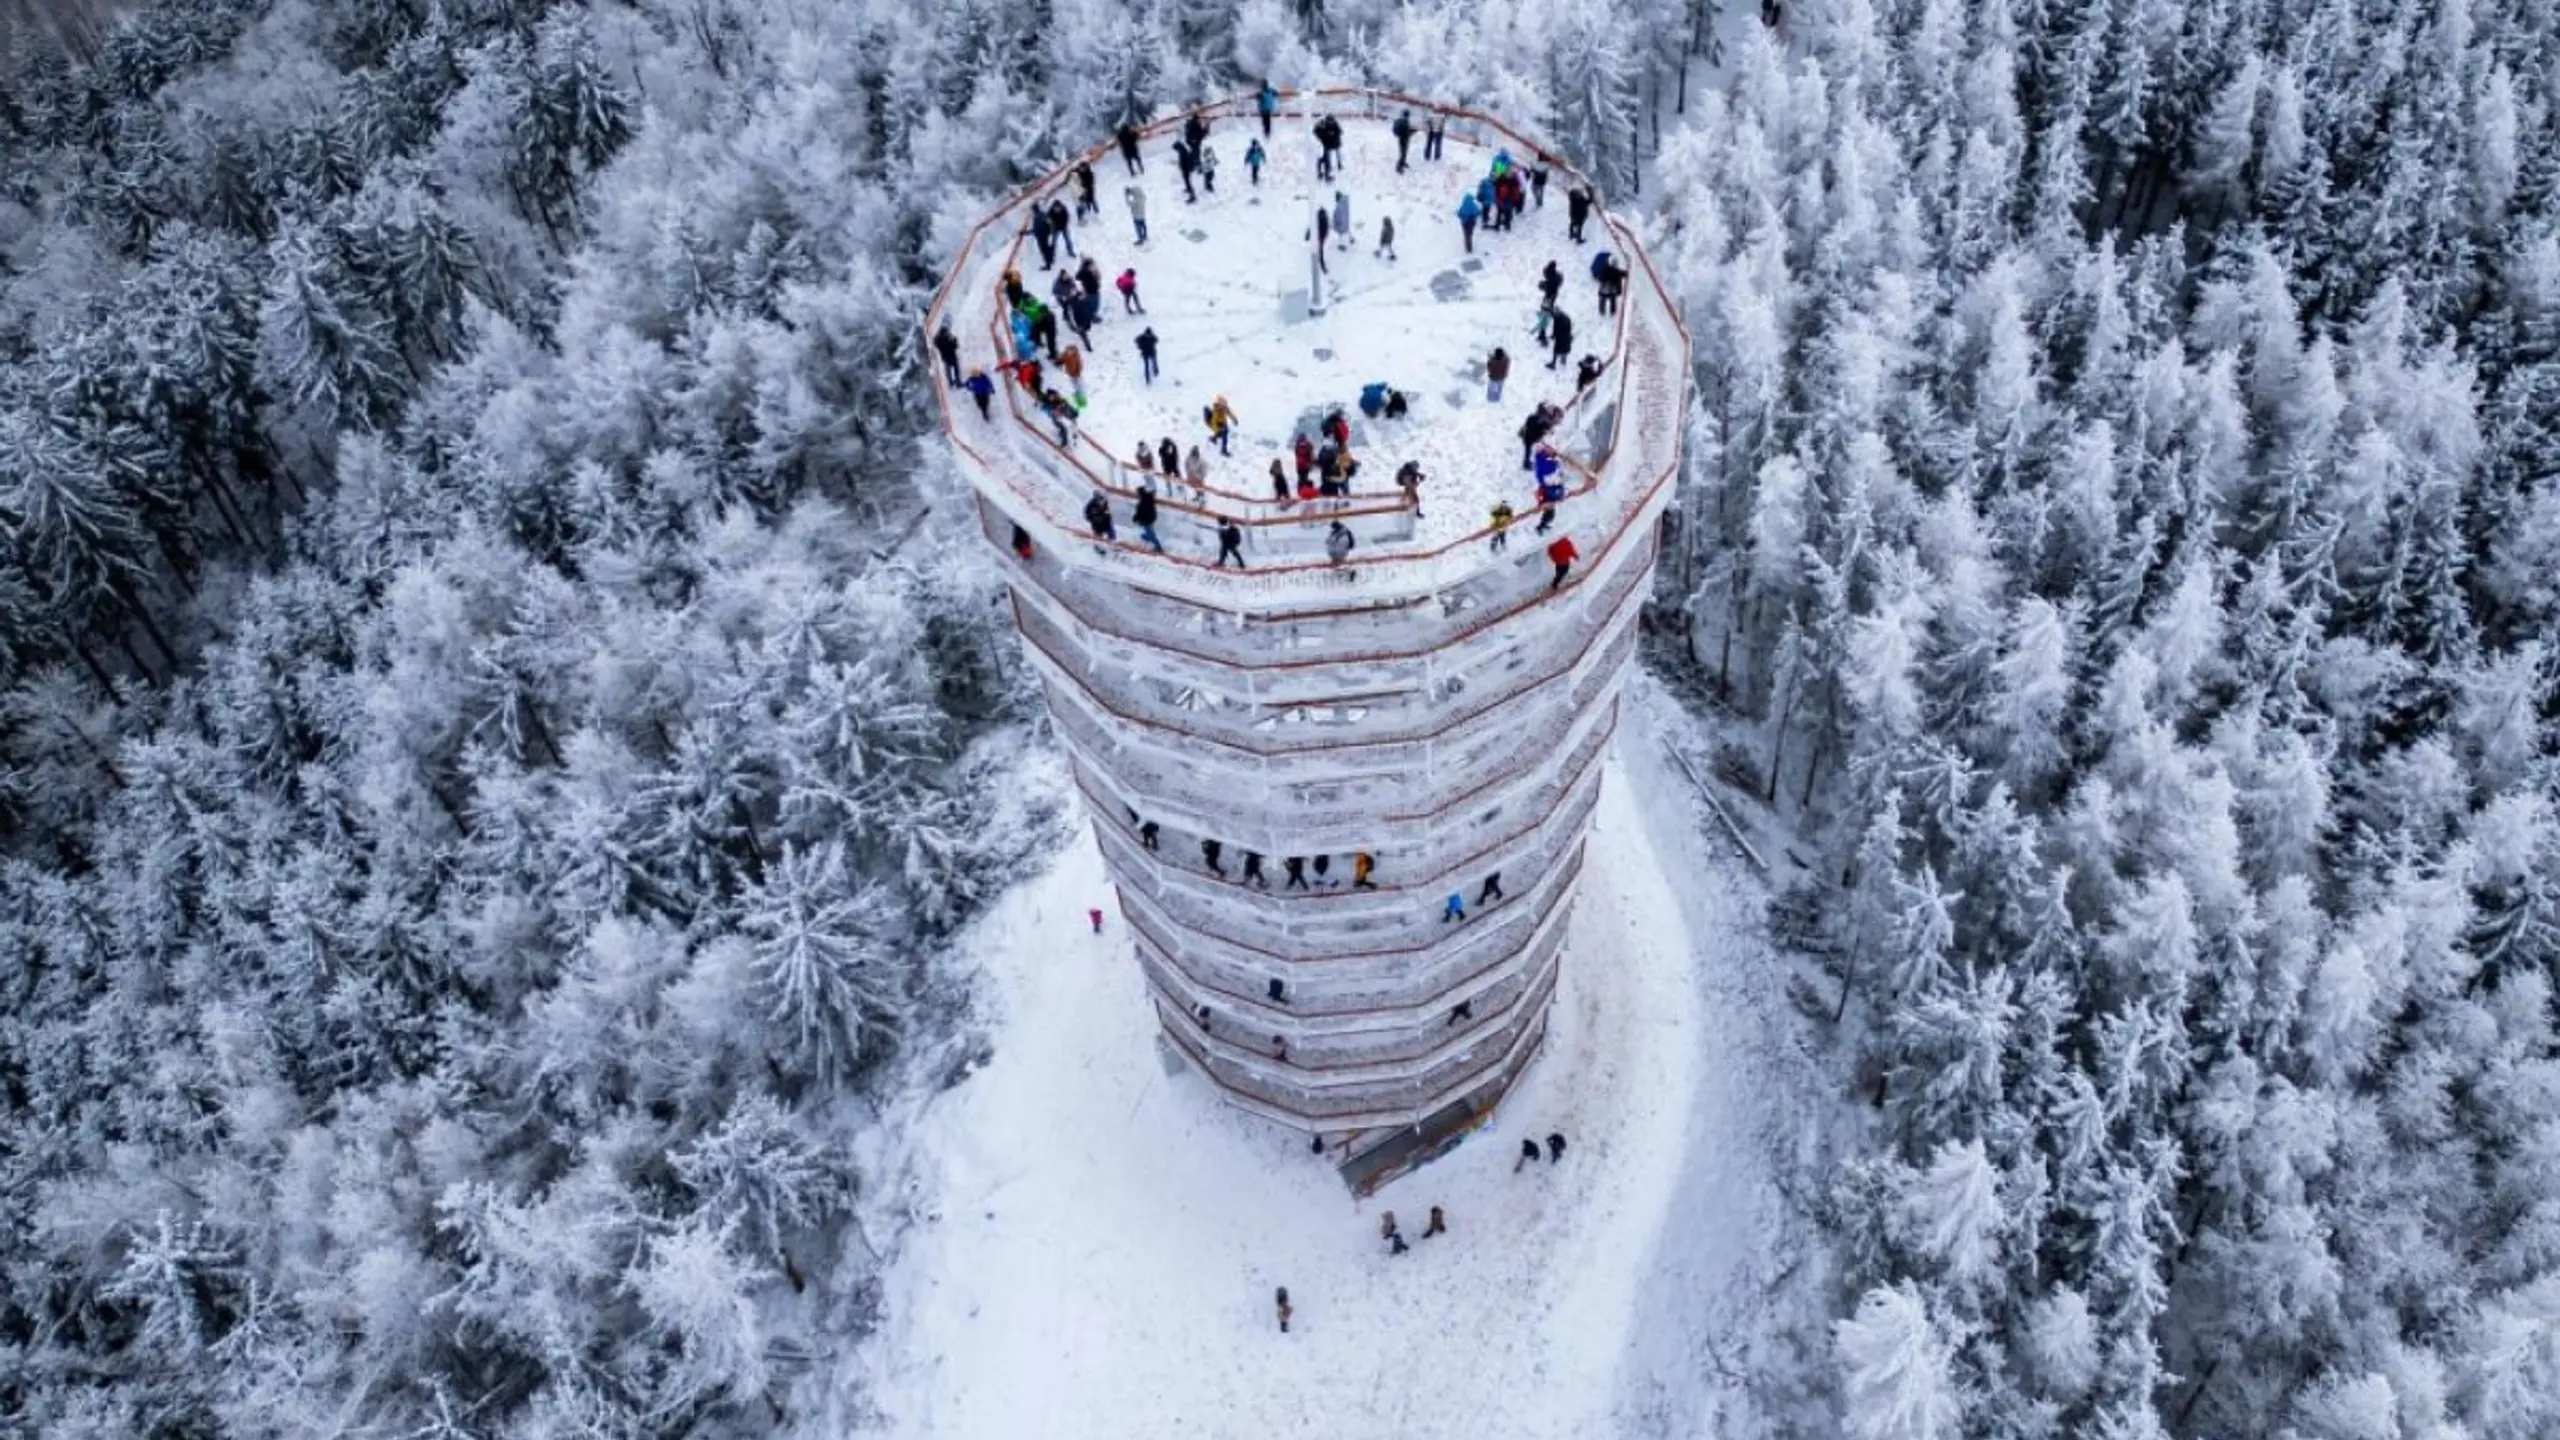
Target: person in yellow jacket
[(1222, 423)]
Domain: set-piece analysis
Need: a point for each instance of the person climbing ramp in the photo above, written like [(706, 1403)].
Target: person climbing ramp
[(1209, 850), (1231, 543), (1360, 867), (1456, 909), (1144, 514), (1147, 834), (1562, 553), (1278, 992), (1097, 515), (1296, 868), (1492, 890), (1253, 869), (982, 390)]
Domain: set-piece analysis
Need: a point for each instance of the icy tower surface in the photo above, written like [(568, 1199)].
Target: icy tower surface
[(1343, 799)]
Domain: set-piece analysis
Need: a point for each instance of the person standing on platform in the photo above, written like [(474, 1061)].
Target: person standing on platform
[(1128, 138), (1267, 104), (1147, 352), (1137, 199), (1403, 130), (1254, 159), (1431, 131), (1496, 370), (1281, 1303), (1559, 339), (1469, 212)]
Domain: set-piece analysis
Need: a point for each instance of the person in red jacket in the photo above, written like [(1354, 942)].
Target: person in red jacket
[(1563, 553)]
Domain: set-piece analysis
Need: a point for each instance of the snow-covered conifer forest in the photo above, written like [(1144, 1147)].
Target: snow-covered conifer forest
[(503, 715)]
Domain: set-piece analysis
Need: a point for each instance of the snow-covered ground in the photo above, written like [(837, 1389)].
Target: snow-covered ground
[(1225, 283), (1101, 1237)]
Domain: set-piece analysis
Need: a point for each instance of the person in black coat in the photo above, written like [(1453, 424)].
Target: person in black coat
[(1560, 335), (1128, 138), (1555, 1148), (1533, 430), (1577, 212), (947, 345), (1097, 513)]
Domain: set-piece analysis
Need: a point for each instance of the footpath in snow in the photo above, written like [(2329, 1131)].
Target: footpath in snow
[(1100, 1237)]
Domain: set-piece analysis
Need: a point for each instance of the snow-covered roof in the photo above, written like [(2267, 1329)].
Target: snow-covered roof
[(1225, 279)]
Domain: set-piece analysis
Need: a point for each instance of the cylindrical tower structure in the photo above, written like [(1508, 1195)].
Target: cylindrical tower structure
[(1343, 799)]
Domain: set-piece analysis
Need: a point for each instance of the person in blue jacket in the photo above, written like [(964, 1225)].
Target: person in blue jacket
[(1468, 213), (1267, 104)]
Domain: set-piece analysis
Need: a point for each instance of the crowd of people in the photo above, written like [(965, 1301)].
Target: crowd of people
[(1050, 374)]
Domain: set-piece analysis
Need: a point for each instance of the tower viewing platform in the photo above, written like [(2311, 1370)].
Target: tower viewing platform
[(1342, 791)]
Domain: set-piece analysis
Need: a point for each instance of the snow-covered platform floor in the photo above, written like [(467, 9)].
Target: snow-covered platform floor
[(1107, 1235), (1226, 284)]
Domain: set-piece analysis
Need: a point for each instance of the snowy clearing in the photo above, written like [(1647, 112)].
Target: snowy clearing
[(1102, 1237)]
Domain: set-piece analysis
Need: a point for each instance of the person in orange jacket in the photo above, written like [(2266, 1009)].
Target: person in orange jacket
[(1563, 554), (1360, 867)]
